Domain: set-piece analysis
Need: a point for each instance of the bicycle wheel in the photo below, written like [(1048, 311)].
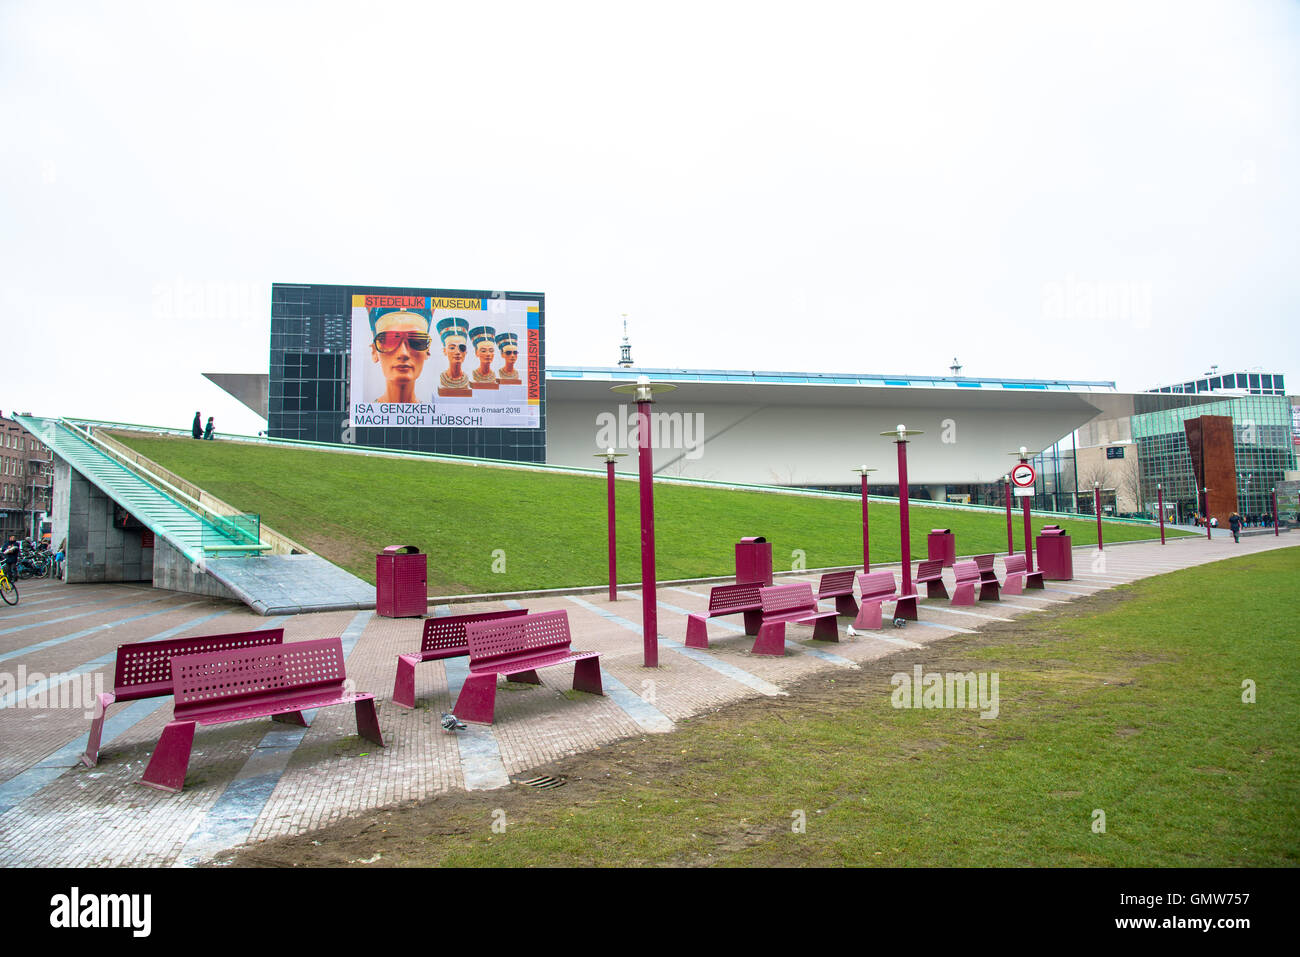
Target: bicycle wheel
[(8, 590)]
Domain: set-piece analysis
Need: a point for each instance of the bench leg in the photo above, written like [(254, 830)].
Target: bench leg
[(586, 676), (525, 678), (1014, 585), (965, 594), (171, 757), (771, 639), (846, 605), (989, 591), (291, 717), (869, 616), (368, 721), (1034, 580), (91, 757), (827, 629), (753, 621), (404, 683), (478, 698), (906, 608), (936, 589), (697, 633)]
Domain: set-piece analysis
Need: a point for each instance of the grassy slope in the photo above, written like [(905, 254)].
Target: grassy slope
[(1129, 702), (552, 528)]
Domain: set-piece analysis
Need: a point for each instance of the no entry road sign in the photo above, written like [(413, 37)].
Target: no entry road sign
[(1022, 476)]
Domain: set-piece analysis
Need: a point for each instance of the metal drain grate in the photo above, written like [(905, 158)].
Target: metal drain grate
[(545, 781)]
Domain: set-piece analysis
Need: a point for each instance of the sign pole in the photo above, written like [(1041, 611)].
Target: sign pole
[(1096, 507), (900, 435), (1023, 476), (1011, 548), (1275, 511), (1206, 496)]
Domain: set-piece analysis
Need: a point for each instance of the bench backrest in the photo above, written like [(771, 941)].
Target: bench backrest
[(875, 585), (724, 599), (448, 632), (985, 565), (144, 668), (966, 572), (835, 583), (507, 638), (240, 677), (779, 599), (929, 571), (1015, 564)]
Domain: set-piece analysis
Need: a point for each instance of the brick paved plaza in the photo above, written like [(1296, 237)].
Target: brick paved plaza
[(252, 780)]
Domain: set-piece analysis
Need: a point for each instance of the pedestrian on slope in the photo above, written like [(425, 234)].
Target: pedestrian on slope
[(207, 430), (197, 428), (1234, 522)]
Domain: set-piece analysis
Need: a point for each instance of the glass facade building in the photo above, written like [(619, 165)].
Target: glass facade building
[(1261, 442), (311, 336)]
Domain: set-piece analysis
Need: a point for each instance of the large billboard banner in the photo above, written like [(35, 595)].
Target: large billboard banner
[(431, 361)]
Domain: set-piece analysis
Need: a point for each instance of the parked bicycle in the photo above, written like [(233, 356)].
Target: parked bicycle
[(8, 590)]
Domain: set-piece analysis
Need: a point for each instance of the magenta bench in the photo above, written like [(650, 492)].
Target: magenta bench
[(989, 584), (783, 604), (143, 670), (969, 575), (279, 682), (838, 585), (1015, 567), (517, 647), (442, 638), (727, 600), (878, 588), (930, 574)]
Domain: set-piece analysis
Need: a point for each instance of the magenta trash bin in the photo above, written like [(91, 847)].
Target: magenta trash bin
[(401, 582), (941, 544), (754, 561), (1055, 556)]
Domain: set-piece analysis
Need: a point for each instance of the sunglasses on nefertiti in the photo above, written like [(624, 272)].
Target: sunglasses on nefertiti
[(392, 341), (510, 352)]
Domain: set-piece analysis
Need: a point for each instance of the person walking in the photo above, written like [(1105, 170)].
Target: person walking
[(1234, 522), (207, 430), (197, 428)]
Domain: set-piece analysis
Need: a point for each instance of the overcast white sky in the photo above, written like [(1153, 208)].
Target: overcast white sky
[(1049, 190)]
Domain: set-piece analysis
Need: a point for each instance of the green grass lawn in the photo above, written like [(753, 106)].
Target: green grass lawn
[(551, 528), (1129, 703)]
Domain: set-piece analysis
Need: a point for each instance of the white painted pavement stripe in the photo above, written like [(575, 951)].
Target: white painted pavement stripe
[(637, 708), (901, 642), (511, 603), (695, 654), (84, 614), (940, 610), (41, 645), (933, 624), (480, 755), (730, 626)]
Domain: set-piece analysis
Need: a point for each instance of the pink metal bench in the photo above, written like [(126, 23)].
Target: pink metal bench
[(795, 604), (1015, 566), (878, 588), (279, 682), (839, 585), (727, 600), (968, 576), (443, 638), (517, 647), (988, 578), (930, 574), (143, 670)]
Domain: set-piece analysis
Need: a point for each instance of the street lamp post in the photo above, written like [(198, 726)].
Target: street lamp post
[(900, 435), (1275, 512), (1205, 492), (644, 393), (1096, 507), (610, 457), (866, 526), (1011, 548), (1160, 495)]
